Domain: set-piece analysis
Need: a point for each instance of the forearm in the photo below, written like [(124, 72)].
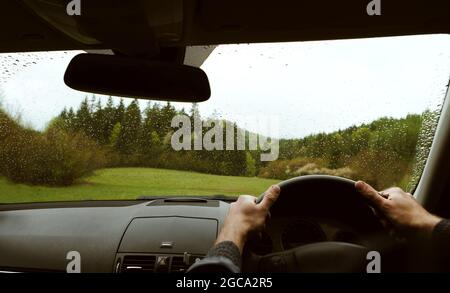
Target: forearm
[(225, 255), (234, 235)]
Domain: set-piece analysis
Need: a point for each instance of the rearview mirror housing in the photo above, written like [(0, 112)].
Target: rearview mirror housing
[(137, 78)]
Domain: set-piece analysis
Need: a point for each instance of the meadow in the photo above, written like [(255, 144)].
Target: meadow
[(130, 183)]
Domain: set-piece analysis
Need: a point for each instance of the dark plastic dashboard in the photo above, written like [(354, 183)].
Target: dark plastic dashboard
[(159, 235)]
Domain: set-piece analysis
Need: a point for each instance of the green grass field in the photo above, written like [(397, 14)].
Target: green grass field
[(130, 183)]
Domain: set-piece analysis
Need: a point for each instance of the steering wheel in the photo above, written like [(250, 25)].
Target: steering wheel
[(320, 196)]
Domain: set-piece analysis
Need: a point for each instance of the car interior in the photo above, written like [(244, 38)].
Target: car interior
[(310, 228)]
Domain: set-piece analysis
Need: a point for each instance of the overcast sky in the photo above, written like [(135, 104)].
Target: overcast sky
[(308, 87)]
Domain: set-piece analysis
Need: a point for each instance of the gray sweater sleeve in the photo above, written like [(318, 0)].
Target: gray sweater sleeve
[(223, 257), (441, 234), (440, 248)]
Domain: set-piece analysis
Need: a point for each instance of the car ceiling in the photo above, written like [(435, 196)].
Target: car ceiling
[(220, 22)]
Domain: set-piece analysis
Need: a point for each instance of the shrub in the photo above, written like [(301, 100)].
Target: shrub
[(276, 170), (72, 156), (312, 169), (285, 169), (54, 157), (381, 169)]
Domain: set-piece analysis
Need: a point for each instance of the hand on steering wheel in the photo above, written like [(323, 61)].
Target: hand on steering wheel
[(246, 216), (399, 211), (319, 196)]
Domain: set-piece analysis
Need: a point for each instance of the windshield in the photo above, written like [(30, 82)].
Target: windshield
[(361, 109)]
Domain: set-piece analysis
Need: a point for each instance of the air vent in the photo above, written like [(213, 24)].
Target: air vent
[(178, 265), (138, 264)]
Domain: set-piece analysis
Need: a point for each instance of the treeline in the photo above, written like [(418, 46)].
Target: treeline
[(96, 135), (381, 152), (142, 138)]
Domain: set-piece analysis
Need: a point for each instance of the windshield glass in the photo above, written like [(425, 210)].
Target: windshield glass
[(361, 109)]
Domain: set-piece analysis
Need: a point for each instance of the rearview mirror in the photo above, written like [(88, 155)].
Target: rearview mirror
[(128, 77)]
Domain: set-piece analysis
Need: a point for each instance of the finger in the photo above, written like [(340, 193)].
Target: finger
[(370, 193), (248, 198), (270, 197)]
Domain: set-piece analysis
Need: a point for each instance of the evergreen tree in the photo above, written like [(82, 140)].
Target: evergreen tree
[(83, 120), (109, 121), (115, 133), (128, 141), (153, 120), (167, 114), (98, 119), (119, 113), (63, 114)]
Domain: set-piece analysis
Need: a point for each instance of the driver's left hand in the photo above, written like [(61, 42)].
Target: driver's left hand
[(246, 216)]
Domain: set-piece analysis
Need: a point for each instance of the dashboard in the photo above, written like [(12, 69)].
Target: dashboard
[(163, 235)]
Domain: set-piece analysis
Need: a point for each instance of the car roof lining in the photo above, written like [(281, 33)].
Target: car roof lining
[(235, 21)]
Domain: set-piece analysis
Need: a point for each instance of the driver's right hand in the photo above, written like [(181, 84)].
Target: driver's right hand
[(399, 210)]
